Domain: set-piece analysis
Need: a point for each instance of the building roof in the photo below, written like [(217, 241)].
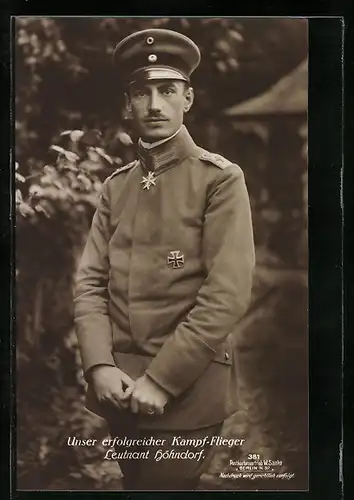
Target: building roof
[(288, 96)]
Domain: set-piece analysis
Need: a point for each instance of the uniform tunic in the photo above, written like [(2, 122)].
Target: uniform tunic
[(165, 277)]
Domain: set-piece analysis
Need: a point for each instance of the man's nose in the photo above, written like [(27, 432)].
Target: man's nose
[(155, 101)]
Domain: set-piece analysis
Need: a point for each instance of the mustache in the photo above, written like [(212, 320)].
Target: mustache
[(155, 118)]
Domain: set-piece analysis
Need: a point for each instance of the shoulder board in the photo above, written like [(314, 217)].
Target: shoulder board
[(214, 158), (123, 169)]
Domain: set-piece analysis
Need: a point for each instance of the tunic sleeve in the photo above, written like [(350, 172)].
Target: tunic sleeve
[(229, 259), (92, 323)]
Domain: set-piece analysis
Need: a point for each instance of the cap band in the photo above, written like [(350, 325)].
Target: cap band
[(156, 73)]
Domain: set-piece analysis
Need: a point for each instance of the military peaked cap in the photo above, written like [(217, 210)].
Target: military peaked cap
[(156, 54)]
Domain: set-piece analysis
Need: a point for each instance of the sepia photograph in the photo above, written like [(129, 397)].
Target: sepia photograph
[(161, 298)]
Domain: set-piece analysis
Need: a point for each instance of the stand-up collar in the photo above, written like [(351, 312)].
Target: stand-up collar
[(168, 154)]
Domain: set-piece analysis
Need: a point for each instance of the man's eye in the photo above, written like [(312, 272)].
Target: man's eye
[(139, 93), (168, 91)]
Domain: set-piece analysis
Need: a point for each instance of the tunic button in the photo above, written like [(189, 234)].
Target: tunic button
[(150, 40), (227, 356)]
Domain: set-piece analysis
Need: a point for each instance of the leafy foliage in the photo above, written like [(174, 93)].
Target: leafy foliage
[(53, 206)]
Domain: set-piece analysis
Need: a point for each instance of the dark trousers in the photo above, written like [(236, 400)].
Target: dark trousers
[(173, 473)]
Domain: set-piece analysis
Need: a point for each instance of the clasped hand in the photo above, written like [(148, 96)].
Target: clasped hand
[(114, 386)]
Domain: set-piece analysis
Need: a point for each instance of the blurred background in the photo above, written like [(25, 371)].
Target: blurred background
[(71, 132)]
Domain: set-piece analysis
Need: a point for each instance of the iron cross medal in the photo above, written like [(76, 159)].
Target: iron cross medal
[(176, 258), (149, 181)]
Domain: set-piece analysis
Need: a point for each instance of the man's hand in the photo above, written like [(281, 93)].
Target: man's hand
[(147, 397), (112, 385)]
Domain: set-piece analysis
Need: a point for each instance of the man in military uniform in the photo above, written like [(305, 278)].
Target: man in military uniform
[(165, 276)]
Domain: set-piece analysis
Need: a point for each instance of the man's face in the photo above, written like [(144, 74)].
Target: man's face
[(158, 107)]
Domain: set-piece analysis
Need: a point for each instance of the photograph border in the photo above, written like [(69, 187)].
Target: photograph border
[(325, 268)]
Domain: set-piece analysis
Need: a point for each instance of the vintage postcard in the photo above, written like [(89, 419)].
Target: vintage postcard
[(161, 253)]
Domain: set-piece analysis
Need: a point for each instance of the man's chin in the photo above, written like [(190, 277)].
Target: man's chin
[(156, 131), (156, 135)]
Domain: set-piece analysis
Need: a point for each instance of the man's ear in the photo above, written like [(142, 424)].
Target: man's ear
[(128, 106), (188, 99)]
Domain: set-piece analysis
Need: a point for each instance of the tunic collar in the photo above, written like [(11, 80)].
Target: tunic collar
[(169, 153), (147, 145)]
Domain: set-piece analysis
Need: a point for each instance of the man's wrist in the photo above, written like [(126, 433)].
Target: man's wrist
[(96, 368), (156, 384)]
